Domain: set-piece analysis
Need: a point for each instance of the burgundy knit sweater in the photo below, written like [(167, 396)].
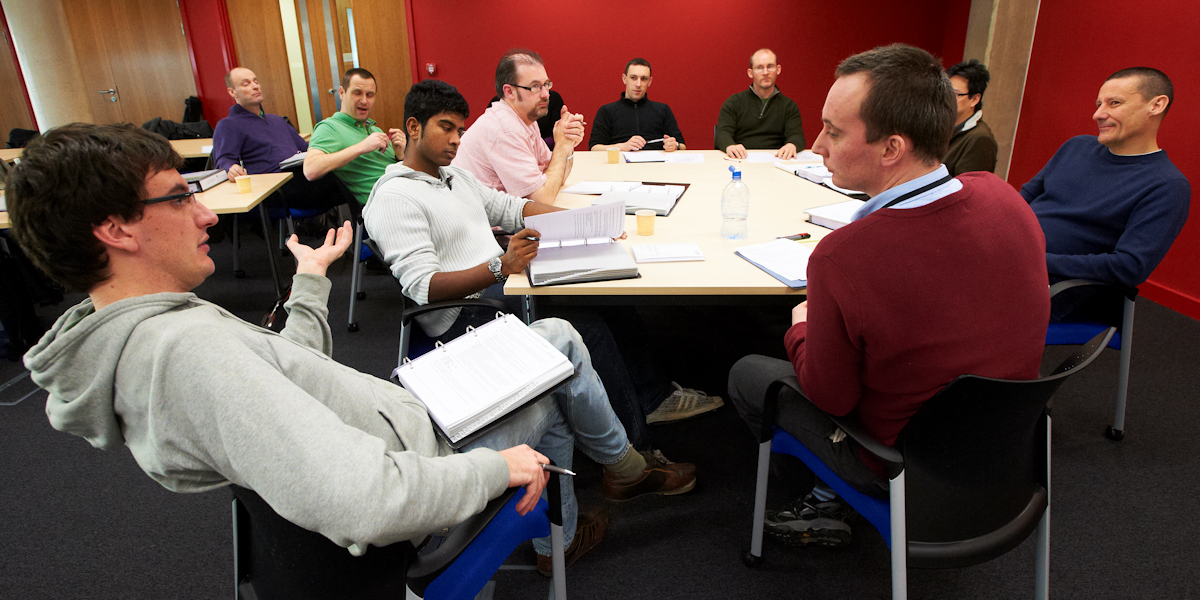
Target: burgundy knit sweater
[(902, 301)]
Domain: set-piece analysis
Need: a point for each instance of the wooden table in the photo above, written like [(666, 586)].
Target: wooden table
[(777, 202), (8, 154), (193, 148), (224, 199)]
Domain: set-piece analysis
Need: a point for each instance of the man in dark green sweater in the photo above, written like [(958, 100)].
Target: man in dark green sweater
[(760, 117)]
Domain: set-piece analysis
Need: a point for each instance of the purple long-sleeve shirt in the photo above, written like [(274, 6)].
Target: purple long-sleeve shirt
[(260, 143)]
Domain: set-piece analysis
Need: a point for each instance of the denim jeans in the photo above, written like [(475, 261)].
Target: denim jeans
[(613, 336), (576, 414)]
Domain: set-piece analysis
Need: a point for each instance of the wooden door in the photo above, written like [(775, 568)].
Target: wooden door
[(381, 34), (14, 112), (137, 49), (258, 40), (316, 40)]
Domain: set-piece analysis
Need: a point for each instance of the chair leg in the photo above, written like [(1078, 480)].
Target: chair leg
[(405, 339), (899, 539), (237, 270), (753, 558), (351, 324), (1041, 585), (1117, 431), (558, 561)]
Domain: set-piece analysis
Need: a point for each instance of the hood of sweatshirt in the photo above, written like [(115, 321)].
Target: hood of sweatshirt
[(76, 361)]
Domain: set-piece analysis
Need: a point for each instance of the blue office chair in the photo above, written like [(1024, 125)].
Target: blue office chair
[(1059, 334), (274, 558), (969, 474)]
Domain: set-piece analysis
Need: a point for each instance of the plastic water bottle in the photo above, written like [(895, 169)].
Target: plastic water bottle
[(735, 207)]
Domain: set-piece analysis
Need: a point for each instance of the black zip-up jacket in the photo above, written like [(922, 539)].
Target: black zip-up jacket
[(616, 122)]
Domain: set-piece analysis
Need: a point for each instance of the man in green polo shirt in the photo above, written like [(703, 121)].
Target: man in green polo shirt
[(348, 144)]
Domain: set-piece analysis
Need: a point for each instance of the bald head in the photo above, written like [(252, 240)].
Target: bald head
[(243, 87), (764, 71)]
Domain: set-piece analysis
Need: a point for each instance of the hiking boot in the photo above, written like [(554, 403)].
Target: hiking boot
[(589, 530), (683, 403), (660, 477), (809, 521)]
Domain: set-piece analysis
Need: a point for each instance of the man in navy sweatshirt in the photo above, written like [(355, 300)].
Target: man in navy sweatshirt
[(249, 142), (1111, 205)]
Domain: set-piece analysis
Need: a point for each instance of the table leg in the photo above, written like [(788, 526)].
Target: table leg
[(262, 213)]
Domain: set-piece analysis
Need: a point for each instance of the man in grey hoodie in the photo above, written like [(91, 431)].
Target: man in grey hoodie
[(203, 399)]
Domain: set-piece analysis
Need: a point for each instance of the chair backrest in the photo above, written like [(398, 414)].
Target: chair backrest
[(276, 558), (975, 463)]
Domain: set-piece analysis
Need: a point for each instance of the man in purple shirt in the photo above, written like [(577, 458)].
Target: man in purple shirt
[(250, 141)]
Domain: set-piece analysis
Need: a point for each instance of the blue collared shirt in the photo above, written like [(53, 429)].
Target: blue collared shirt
[(929, 197)]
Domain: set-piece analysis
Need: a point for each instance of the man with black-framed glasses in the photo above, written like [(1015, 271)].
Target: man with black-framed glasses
[(504, 147)]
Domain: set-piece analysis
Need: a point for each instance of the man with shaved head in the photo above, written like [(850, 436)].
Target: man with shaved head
[(760, 117), (250, 141)]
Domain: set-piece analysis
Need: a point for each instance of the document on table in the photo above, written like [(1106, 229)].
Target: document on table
[(599, 221), (206, 149), (834, 216), (761, 157), (293, 160), (644, 156), (659, 197), (649, 253), (600, 187), (785, 260), (483, 375), (676, 157)]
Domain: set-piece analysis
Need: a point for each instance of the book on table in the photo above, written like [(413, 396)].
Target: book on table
[(834, 216), (293, 160), (818, 174), (469, 384), (201, 181), (655, 196), (783, 259), (578, 245)]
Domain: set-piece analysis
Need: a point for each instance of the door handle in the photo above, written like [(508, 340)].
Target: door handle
[(330, 91), (112, 91)]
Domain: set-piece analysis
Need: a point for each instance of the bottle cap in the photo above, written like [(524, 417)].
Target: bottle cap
[(737, 174)]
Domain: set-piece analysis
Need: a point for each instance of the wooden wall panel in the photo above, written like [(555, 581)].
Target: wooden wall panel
[(382, 35), (259, 43), (14, 112), (83, 18), (149, 58)]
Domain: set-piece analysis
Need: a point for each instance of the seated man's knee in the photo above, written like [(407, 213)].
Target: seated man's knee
[(561, 334)]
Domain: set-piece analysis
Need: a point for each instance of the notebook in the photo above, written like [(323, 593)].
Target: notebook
[(470, 383), (818, 174), (655, 196), (293, 160), (785, 260), (833, 216), (577, 245), (204, 180)]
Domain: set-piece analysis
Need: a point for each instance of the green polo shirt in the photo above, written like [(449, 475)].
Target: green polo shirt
[(340, 132)]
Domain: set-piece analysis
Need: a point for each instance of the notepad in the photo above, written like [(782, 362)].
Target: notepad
[(834, 216), (482, 375), (577, 245), (644, 156), (784, 260), (653, 253)]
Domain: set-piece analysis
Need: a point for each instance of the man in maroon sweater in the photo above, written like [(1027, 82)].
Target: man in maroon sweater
[(935, 277)]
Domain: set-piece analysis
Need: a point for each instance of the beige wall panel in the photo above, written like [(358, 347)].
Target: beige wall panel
[(259, 44), (13, 110), (1011, 42)]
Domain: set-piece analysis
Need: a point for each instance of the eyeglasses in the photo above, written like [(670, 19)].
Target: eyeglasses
[(536, 88), (961, 94), (763, 68), (189, 195)]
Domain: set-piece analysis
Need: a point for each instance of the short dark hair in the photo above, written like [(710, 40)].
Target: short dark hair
[(1151, 83), (363, 73), (429, 98), (908, 95), (639, 62), (506, 69), (73, 178), (977, 77)]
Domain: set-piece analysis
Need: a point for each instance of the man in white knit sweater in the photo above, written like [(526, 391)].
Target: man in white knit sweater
[(433, 224)]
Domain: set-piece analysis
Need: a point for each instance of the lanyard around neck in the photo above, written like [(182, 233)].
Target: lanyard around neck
[(916, 192)]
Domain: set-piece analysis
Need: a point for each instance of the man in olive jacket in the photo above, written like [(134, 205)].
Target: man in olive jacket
[(760, 117)]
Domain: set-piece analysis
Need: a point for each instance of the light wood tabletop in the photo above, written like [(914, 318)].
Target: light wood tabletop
[(777, 202), (200, 148), (224, 198), (8, 154)]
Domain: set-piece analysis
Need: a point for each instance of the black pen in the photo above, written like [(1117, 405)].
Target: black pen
[(558, 470)]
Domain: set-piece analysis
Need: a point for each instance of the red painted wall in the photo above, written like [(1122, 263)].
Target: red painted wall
[(1079, 43), (210, 42), (699, 49)]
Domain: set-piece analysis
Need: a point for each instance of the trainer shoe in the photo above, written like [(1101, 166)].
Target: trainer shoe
[(683, 403), (809, 521), (589, 530), (661, 476)]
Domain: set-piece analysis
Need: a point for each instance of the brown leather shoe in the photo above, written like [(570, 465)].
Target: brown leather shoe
[(589, 530), (660, 477)]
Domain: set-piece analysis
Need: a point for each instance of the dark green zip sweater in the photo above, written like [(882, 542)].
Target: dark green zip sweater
[(745, 120)]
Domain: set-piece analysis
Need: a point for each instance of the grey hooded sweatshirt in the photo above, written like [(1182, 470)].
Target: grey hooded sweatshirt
[(204, 399)]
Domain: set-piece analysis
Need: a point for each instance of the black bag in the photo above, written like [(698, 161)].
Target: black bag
[(193, 110)]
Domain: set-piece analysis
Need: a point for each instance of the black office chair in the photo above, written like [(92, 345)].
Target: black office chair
[(274, 558), (1078, 332), (970, 472)]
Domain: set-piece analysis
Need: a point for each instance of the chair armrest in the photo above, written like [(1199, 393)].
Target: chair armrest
[(891, 458), (409, 313), (1067, 284), (460, 537)]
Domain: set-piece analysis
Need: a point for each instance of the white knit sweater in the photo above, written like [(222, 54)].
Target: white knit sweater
[(426, 225)]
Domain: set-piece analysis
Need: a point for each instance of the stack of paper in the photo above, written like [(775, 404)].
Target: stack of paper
[(652, 253), (600, 187), (834, 216), (817, 174), (784, 260), (659, 198), (577, 245), (483, 375)]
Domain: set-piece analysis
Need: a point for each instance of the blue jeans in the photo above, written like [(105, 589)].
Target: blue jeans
[(576, 414), (613, 336)]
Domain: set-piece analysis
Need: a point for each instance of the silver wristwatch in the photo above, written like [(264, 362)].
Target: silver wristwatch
[(494, 267)]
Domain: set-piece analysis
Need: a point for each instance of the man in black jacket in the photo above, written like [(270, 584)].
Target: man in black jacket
[(635, 122)]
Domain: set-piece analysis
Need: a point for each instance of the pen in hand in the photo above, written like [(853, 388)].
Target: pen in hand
[(557, 470)]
